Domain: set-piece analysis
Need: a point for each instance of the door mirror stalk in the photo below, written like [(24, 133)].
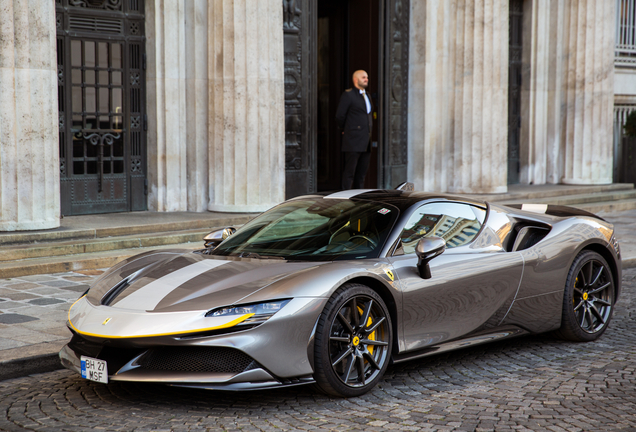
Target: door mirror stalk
[(428, 248)]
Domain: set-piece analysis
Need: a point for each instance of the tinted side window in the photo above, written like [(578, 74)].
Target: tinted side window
[(456, 223)]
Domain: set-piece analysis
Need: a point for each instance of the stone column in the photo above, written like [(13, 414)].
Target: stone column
[(588, 43), (247, 106), (177, 86), (196, 18), (540, 94), (458, 99), (29, 121), (166, 87)]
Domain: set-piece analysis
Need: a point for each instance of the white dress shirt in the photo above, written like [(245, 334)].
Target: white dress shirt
[(366, 100)]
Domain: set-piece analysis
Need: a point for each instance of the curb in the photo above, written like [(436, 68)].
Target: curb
[(21, 367)]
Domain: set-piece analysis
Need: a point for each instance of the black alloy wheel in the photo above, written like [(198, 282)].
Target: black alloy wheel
[(588, 298), (353, 342)]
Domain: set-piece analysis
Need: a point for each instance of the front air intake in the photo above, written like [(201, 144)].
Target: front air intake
[(197, 359)]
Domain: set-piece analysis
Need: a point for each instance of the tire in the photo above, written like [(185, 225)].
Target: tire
[(588, 299), (349, 356)]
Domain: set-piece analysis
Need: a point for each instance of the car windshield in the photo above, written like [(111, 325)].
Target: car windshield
[(316, 229)]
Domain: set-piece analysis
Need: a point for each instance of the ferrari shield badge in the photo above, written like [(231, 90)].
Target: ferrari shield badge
[(389, 273)]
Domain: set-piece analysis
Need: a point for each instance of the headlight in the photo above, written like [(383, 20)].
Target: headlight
[(262, 311)]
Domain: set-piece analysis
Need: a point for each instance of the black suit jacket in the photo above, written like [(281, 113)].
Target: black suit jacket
[(353, 119)]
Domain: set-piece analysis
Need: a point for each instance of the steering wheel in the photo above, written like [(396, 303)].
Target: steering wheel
[(364, 237)]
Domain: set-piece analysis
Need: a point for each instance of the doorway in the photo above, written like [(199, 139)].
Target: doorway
[(101, 97), (348, 39)]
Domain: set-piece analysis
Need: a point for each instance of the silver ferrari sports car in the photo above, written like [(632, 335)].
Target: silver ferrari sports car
[(331, 288)]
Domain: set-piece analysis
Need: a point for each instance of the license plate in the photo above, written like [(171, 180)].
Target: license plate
[(94, 369)]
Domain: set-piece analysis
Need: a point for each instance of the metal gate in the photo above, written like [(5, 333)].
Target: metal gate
[(101, 96), (394, 124), (514, 89)]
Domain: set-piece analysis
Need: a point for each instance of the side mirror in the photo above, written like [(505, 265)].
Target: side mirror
[(215, 237), (427, 249)]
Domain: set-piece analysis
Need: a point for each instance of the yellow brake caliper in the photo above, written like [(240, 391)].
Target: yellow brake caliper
[(372, 335)]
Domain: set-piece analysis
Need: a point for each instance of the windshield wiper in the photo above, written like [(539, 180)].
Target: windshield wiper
[(255, 255)]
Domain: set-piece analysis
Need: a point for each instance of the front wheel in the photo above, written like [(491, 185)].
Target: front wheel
[(588, 299), (353, 342)]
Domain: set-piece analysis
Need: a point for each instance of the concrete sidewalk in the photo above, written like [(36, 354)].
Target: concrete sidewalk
[(33, 309)]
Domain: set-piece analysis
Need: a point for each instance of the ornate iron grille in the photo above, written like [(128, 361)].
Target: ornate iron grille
[(514, 89), (101, 85), (395, 98)]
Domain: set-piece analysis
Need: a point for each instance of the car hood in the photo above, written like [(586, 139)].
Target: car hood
[(174, 282)]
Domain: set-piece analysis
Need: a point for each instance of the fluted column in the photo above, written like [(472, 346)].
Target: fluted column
[(540, 93), (458, 83), (29, 121), (588, 42), (177, 86), (197, 83), (166, 87), (246, 100)]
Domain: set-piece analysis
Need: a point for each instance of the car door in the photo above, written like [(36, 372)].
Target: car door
[(472, 286)]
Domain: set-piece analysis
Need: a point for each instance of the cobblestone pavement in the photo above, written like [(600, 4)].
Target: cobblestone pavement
[(531, 383)]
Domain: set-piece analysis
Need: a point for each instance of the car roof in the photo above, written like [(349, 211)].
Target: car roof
[(400, 199)]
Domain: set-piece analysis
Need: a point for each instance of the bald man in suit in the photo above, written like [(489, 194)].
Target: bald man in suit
[(355, 118)]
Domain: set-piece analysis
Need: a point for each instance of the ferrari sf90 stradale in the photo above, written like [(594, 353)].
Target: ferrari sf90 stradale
[(331, 288)]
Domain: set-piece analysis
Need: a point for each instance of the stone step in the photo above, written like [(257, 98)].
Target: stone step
[(100, 241), (84, 261), (16, 252), (536, 193), (79, 227), (609, 207), (580, 199)]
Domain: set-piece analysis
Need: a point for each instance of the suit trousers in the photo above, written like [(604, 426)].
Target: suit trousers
[(356, 165)]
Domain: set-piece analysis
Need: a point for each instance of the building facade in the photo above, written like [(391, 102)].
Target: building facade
[(228, 105)]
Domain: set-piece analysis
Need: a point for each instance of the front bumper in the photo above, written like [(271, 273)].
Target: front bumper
[(253, 379), (274, 354)]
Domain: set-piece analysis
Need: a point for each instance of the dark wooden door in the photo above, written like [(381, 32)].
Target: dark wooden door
[(101, 82)]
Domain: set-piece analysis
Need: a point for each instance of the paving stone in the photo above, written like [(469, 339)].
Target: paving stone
[(11, 318), (22, 285), (76, 288), (46, 301), (47, 291), (11, 305), (10, 343), (37, 278), (17, 295), (59, 283)]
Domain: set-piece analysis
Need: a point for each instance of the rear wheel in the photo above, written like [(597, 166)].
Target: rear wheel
[(588, 300), (353, 342)]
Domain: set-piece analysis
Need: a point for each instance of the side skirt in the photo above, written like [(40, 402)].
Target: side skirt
[(474, 339)]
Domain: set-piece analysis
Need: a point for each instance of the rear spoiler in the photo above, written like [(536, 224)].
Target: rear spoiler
[(554, 210)]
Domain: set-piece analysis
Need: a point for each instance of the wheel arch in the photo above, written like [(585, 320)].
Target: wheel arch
[(389, 301), (607, 255)]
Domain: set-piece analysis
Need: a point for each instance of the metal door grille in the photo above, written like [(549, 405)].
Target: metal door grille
[(100, 51), (514, 89)]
